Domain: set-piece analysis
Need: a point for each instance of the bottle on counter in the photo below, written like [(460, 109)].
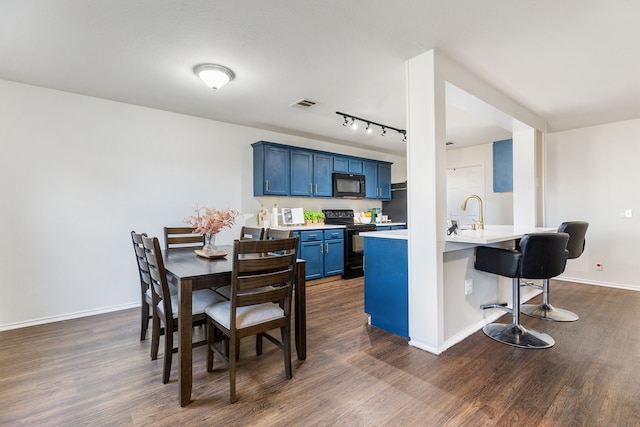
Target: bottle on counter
[(274, 215)]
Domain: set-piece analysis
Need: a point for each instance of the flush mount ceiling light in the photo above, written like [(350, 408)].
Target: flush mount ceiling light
[(214, 76), (354, 125)]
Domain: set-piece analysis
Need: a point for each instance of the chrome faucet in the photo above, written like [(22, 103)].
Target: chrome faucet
[(481, 217)]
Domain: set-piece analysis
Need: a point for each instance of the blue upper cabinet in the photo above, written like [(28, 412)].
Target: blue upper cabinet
[(371, 179), (503, 166), (378, 180), (282, 170), (270, 170), (301, 173), (311, 174), (340, 164), (322, 175)]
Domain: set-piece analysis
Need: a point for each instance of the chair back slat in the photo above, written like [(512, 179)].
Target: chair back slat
[(182, 237), (251, 233), (273, 234)]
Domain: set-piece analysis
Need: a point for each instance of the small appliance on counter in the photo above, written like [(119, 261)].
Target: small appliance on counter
[(353, 242)]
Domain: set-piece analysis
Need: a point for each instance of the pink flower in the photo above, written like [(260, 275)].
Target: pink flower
[(211, 220)]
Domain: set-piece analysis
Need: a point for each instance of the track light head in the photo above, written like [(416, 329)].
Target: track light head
[(354, 125), (368, 129), (346, 122), (384, 131)]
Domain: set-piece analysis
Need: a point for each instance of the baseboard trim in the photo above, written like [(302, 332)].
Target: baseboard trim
[(69, 316)]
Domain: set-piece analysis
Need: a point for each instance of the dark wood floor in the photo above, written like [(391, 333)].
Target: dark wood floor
[(95, 371)]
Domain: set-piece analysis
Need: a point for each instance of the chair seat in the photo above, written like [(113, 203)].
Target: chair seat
[(245, 316), (200, 301)]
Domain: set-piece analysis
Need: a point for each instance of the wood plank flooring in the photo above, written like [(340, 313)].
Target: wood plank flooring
[(95, 371)]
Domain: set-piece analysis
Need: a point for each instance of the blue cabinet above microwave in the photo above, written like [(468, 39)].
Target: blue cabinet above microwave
[(283, 170)]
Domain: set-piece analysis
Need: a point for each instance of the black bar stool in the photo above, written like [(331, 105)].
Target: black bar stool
[(576, 231), (539, 256)]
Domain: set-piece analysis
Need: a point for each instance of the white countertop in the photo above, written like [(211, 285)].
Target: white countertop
[(494, 234), (387, 234), (491, 234), (301, 227)]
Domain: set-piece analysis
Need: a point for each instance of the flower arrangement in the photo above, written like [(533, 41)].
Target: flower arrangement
[(207, 221)]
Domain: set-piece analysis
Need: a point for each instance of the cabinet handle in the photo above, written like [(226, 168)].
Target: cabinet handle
[(327, 250), (321, 249), (316, 188), (310, 188), (267, 185)]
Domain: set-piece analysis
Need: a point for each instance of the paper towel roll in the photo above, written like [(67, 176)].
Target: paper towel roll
[(274, 217)]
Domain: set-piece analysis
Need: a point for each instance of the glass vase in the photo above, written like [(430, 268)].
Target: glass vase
[(210, 243)]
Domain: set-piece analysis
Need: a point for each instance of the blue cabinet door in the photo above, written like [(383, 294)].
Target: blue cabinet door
[(312, 252), (333, 257), (355, 166), (370, 170), (386, 279), (270, 170), (384, 181), (301, 173), (340, 164), (322, 175)]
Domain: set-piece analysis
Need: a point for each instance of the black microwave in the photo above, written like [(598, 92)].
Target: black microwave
[(349, 185)]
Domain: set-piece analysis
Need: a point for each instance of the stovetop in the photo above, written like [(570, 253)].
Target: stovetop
[(345, 217)]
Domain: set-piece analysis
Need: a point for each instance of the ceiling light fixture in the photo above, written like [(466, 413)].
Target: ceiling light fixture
[(214, 76), (368, 129)]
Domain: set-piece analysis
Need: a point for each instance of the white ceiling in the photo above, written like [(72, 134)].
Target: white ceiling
[(574, 63)]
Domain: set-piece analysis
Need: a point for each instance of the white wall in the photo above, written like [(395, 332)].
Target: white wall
[(77, 174), (592, 175)]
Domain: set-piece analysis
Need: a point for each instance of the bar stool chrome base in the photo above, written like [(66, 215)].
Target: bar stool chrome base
[(548, 312), (518, 335)]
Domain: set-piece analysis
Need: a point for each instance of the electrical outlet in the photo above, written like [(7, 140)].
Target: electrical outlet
[(598, 266), (468, 286)]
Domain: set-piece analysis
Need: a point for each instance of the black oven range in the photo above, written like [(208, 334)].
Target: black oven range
[(353, 242)]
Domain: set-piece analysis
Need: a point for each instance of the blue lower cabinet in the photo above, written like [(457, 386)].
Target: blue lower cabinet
[(386, 284), (333, 252), (323, 250)]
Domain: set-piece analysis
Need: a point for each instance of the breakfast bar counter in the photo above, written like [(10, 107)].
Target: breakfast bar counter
[(463, 289)]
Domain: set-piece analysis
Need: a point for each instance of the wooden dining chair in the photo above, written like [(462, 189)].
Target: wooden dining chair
[(166, 305), (146, 303), (272, 233), (182, 237), (261, 288), (255, 233)]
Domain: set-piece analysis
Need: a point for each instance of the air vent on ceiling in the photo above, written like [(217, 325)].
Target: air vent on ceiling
[(304, 103), (448, 143)]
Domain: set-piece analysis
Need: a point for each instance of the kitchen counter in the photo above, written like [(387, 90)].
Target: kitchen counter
[(490, 234), (387, 234), (302, 227)]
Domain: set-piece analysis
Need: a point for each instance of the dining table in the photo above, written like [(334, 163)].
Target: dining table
[(189, 271)]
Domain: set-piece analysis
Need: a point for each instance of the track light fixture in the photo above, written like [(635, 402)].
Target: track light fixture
[(354, 125)]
